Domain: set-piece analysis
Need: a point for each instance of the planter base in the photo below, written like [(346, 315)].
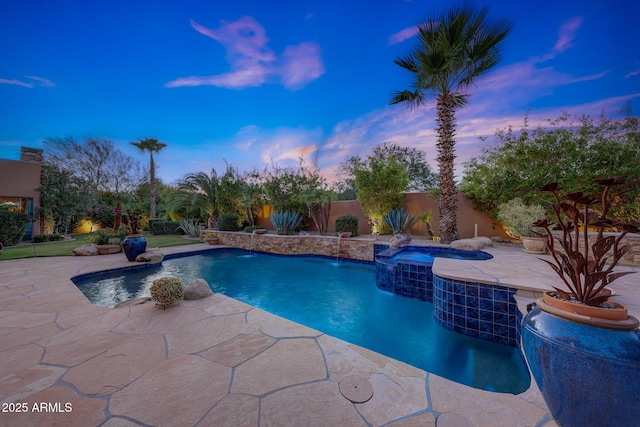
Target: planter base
[(587, 375)]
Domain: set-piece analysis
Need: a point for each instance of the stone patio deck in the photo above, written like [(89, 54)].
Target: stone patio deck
[(211, 362)]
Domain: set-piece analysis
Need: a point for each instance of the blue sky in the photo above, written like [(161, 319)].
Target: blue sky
[(255, 82)]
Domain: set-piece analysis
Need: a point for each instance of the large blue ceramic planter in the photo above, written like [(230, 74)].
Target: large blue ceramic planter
[(588, 375), (134, 246)]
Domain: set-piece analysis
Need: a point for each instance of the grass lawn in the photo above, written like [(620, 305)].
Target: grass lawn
[(64, 247)]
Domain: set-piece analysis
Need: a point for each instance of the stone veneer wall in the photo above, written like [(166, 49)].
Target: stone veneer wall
[(631, 258), (353, 248)]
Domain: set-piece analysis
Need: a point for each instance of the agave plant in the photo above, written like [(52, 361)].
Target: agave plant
[(585, 268), (191, 227), (398, 220), (286, 222)]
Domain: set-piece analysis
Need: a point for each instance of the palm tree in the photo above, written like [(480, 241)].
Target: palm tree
[(201, 191), (453, 51), (152, 145)]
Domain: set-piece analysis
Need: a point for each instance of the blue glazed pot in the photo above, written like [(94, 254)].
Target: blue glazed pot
[(133, 246), (588, 375)]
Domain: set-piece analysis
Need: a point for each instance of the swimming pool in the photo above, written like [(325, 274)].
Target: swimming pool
[(339, 299)]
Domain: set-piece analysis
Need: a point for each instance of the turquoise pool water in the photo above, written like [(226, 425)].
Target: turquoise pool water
[(338, 298)]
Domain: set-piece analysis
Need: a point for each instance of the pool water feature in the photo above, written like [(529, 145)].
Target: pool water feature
[(407, 270), (339, 299)]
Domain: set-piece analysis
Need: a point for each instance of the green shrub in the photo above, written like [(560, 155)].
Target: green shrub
[(167, 290), (12, 227), (103, 215), (228, 222), (191, 227), (286, 222), (347, 223), (518, 218), (164, 227), (108, 236)]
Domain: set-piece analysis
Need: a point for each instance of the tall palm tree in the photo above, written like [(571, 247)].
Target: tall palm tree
[(454, 49), (152, 145), (201, 191)]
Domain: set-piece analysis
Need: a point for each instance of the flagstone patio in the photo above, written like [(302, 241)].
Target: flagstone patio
[(211, 362)]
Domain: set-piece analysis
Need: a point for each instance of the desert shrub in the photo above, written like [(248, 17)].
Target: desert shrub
[(228, 222), (286, 222), (12, 227), (347, 223), (191, 227), (398, 220), (518, 218), (167, 290), (165, 227)]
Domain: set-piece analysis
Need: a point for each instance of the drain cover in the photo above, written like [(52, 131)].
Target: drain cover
[(356, 388)]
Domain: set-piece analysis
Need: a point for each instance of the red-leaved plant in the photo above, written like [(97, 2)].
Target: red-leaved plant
[(585, 270)]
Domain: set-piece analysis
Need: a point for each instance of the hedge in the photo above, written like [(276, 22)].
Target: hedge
[(164, 227), (347, 223)]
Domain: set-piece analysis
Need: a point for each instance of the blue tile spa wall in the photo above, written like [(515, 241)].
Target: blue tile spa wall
[(476, 309)]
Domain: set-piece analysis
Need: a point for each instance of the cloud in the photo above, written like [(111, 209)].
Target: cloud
[(35, 81), (567, 34), (632, 73), (402, 35), (41, 81), (15, 82), (253, 63)]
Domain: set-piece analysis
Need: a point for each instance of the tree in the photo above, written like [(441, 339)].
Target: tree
[(201, 191), (379, 185), (419, 173), (454, 49), (317, 196), (152, 145), (572, 150), (65, 198), (96, 161)]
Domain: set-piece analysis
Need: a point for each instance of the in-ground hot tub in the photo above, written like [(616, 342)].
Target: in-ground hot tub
[(407, 270)]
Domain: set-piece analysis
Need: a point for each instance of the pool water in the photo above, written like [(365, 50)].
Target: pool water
[(336, 298), (424, 255)]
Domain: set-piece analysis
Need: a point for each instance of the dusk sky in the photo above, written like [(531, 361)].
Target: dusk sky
[(255, 82)]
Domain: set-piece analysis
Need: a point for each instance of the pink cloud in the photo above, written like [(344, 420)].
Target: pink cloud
[(253, 62), (567, 34), (402, 35), (301, 64)]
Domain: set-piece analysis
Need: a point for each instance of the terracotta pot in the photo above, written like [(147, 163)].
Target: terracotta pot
[(344, 234), (533, 245), (614, 318), (211, 240)]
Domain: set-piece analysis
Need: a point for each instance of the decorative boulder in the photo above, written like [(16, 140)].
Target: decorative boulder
[(474, 244), (399, 240), (86, 250), (152, 257), (197, 289)]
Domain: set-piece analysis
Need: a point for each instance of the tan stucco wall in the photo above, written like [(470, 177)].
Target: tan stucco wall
[(417, 204)]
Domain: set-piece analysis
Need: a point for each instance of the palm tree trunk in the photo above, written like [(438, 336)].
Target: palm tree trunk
[(446, 121), (152, 187)]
